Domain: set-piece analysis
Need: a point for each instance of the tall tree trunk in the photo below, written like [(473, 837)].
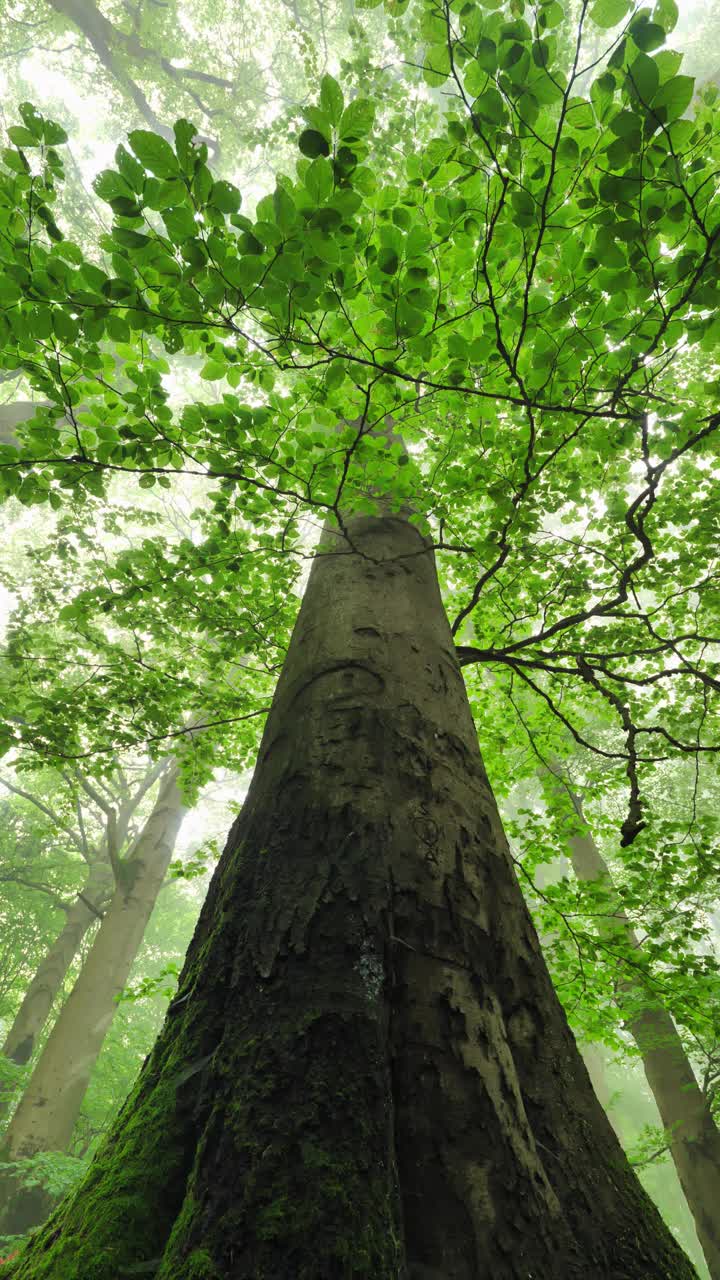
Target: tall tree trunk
[(693, 1136), (48, 1110), (594, 1059), (48, 979), (367, 1072), (51, 972)]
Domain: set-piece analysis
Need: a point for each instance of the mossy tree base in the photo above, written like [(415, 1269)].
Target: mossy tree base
[(366, 1073)]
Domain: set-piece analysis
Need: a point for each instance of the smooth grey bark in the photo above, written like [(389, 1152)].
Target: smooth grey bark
[(47, 1112), (50, 974), (367, 1072), (89, 903), (693, 1136)]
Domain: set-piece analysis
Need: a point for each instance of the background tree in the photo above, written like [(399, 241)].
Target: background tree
[(99, 845), (58, 1160)]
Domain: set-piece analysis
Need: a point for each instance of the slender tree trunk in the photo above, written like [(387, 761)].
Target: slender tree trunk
[(48, 979), (367, 1072), (50, 974), (694, 1138), (594, 1060), (47, 1112)]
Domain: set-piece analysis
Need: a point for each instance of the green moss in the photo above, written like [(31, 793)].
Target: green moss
[(197, 1266), (125, 1206), (273, 1219)]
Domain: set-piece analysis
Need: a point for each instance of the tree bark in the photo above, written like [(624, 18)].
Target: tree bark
[(107, 40), (693, 1136), (50, 974), (367, 1072), (48, 979), (46, 1115)]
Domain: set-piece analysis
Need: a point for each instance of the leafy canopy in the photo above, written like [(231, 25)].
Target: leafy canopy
[(530, 294)]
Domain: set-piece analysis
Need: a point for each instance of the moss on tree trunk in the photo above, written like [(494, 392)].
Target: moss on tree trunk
[(367, 1072)]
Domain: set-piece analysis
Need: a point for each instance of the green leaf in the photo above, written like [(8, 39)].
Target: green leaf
[(601, 93), (388, 260), (357, 120), (313, 144), (490, 106), (568, 151), (225, 197), (523, 207), (154, 153), (608, 13), (419, 239), (53, 134), (551, 15), (331, 99), (625, 124), (284, 208), (243, 273), (666, 12), (580, 114), (249, 243), (319, 180), (674, 97), (668, 62), (541, 53), (317, 119), (213, 371), (118, 328), (486, 55), (180, 223), (22, 137), (643, 78), (129, 239), (647, 35), (16, 161), (64, 326), (71, 252), (124, 207), (619, 153), (130, 168), (436, 65), (335, 375), (202, 183), (410, 319), (185, 132), (32, 119)]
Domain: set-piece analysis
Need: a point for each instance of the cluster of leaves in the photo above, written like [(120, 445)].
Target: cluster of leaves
[(145, 644), (551, 258), (196, 866), (162, 984), (53, 1170)]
